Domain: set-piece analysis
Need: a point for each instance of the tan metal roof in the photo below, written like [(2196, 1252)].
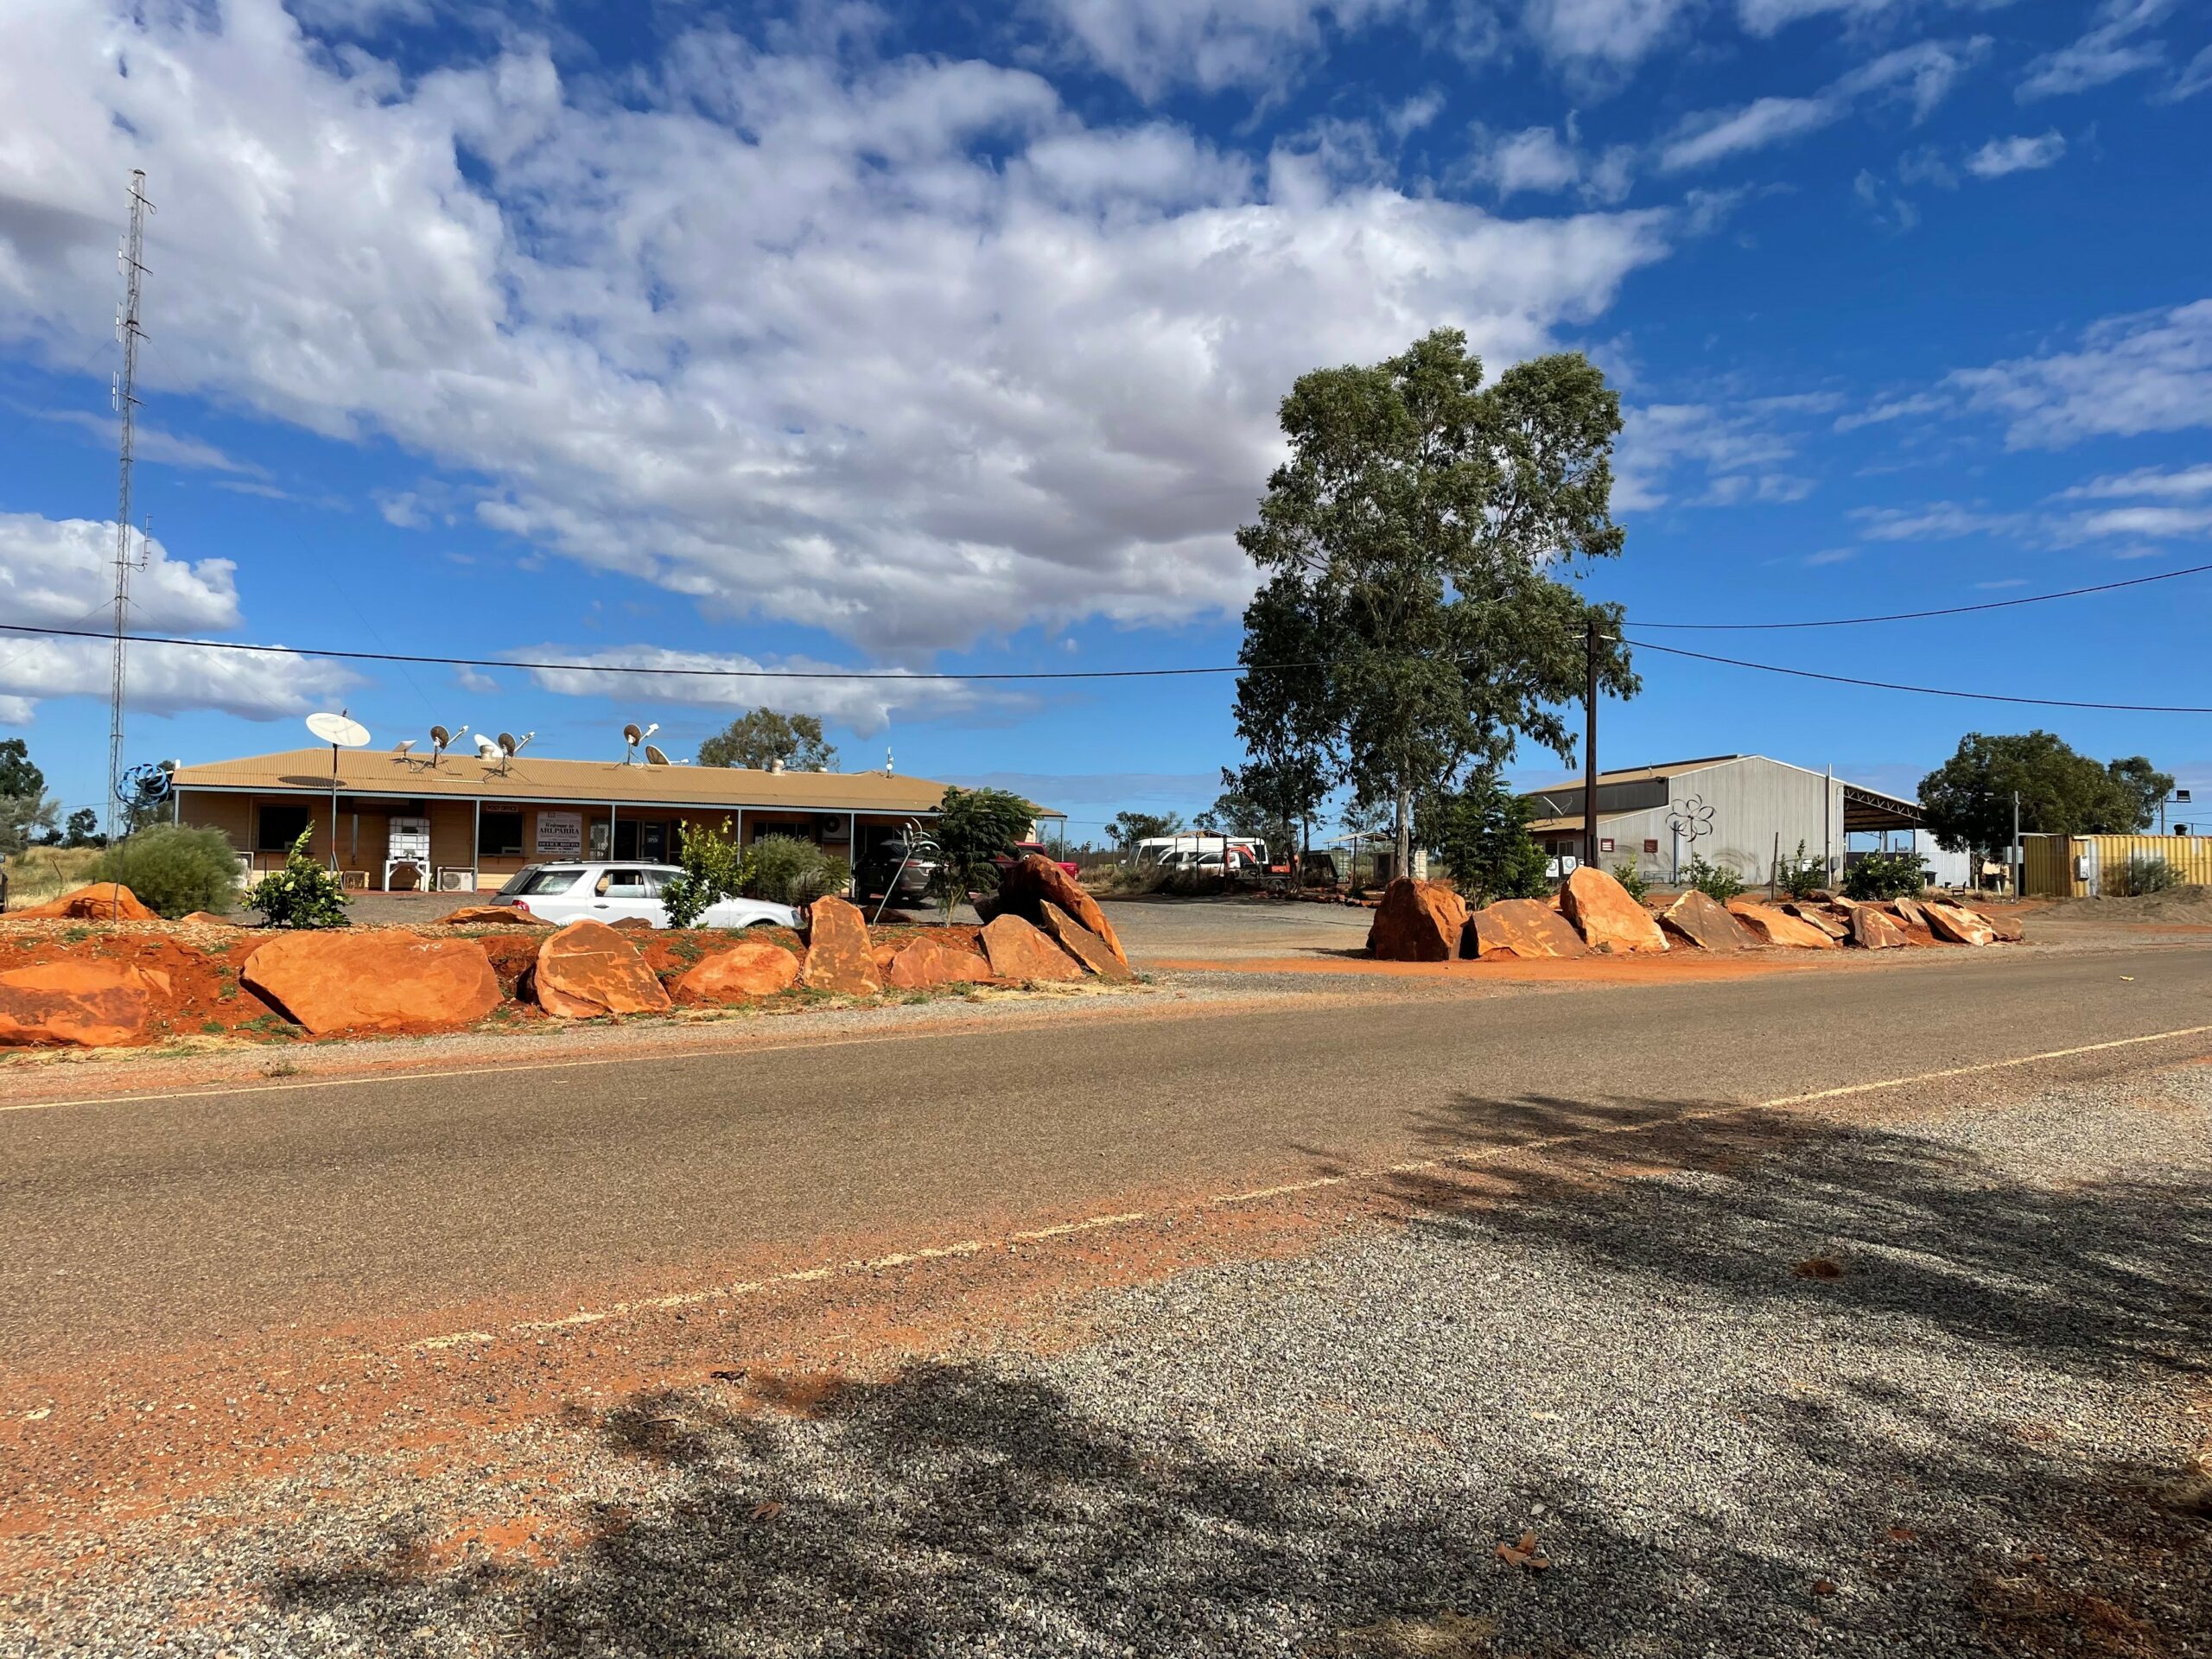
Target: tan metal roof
[(532, 778), (1638, 774)]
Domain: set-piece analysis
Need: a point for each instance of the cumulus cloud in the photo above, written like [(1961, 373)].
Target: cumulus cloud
[(1922, 74), (1544, 162), (2019, 154), (732, 681), (1617, 33), (2113, 48), (1713, 454), (2148, 372), (173, 679), (902, 349), (61, 573), (1154, 45)]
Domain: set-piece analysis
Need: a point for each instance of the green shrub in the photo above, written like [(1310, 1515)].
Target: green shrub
[(1800, 877), (974, 827), (1482, 834), (1629, 876), (173, 868), (2147, 873), (785, 870), (714, 869), (1714, 880), (304, 893), (1885, 875)]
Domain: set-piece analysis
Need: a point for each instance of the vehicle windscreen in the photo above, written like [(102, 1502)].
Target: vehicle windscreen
[(518, 881), (549, 881)]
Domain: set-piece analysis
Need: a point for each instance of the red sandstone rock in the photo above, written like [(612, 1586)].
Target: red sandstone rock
[(927, 963), (1702, 921), (1873, 931), (838, 955), (495, 915), (1778, 927), (743, 971), (103, 901), (1086, 946), (1417, 921), (1017, 950), (2005, 927), (1602, 912), (1910, 909), (1033, 881), (1959, 925), (207, 919), (588, 968), (78, 1002), (377, 980), (631, 924), (1527, 928), (1814, 915)]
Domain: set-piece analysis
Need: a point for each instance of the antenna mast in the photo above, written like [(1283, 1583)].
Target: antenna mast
[(128, 333)]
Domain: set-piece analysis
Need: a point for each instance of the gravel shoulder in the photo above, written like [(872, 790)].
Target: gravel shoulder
[(1924, 1380)]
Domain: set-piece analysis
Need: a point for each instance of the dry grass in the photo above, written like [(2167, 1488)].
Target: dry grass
[(38, 873)]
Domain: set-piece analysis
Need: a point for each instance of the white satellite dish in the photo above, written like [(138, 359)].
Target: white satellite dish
[(654, 756), (338, 731)]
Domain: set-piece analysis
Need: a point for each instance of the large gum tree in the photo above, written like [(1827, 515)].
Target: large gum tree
[(1410, 550)]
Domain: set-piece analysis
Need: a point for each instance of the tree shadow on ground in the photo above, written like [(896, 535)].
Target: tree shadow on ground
[(991, 1509)]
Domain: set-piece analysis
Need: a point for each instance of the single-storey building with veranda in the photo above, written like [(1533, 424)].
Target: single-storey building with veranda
[(1740, 811), (459, 823)]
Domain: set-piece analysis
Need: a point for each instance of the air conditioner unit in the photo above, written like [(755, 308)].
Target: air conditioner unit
[(453, 880)]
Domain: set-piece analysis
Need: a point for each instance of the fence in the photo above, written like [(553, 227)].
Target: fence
[(2084, 866)]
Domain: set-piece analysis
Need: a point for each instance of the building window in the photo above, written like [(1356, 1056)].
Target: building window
[(277, 827), (498, 835)]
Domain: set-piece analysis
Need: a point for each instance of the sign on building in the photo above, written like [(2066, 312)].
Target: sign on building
[(560, 835)]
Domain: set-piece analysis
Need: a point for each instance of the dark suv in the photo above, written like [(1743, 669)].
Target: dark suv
[(879, 869)]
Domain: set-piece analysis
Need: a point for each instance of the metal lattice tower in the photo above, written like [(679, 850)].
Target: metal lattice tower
[(128, 333)]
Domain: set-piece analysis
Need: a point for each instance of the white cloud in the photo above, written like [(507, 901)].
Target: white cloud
[(151, 443), (1154, 45), (2150, 372), (903, 350), (1725, 454), (61, 573), (1542, 160), (2157, 523), (172, 679), (1894, 408), (2152, 481), (1939, 521), (2111, 50), (726, 681), (2017, 154), (2192, 80), (1923, 74), (1617, 33)]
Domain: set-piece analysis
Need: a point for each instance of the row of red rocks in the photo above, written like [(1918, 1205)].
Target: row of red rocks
[(392, 980), (1592, 914)]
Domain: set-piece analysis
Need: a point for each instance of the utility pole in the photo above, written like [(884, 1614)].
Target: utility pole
[(1590, 746), (128, 335), (2020, 861)]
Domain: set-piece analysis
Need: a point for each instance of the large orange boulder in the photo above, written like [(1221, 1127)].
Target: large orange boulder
[(373, 980), (103, 901), (78, 1002), (1034, 881), (1611, 921), (1873, 930), (838, 956), (927, 962), (1086, 946), (1778, 927), (739, 974), (493, 915), (2006, 928), (1699, 919), (1830, 920), (588, 968), (1522, 927), (1959, 925), (1417, 921), (1017, 950)]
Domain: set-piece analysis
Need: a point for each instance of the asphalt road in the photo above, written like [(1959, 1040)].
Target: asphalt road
[(161, 1220)]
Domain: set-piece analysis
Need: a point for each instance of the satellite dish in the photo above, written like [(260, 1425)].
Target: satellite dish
[(507, 744), (440, 737), (654, 757), (631, 735), (338, 731), (404, 744)]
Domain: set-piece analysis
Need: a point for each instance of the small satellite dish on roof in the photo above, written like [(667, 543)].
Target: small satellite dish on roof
[(440, 737), (403, 746), (632, 735), (654, 757), (507, 744), (338, 731)]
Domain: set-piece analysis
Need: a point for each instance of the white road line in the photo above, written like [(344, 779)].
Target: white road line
[(1221, 1200)]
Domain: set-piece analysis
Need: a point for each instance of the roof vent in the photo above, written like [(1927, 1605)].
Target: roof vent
[(776, 765)]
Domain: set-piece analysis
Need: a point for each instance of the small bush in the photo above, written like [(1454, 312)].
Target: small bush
[(2147, 873), (1629, 876), (304, 893), (174, 869), (785, 870), (1801, 876), (714, 869), (1885, 875), (1714, 880)]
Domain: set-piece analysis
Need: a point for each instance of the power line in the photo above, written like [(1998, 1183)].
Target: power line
[(1924, 691), (1949, 610)]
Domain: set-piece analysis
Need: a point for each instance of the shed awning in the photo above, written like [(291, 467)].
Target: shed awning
[(1869, 809)]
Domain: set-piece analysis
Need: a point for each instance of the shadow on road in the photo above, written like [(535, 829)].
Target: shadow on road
[(961, 1510)]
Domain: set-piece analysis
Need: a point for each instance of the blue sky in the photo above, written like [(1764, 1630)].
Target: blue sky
[(949, 338)]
